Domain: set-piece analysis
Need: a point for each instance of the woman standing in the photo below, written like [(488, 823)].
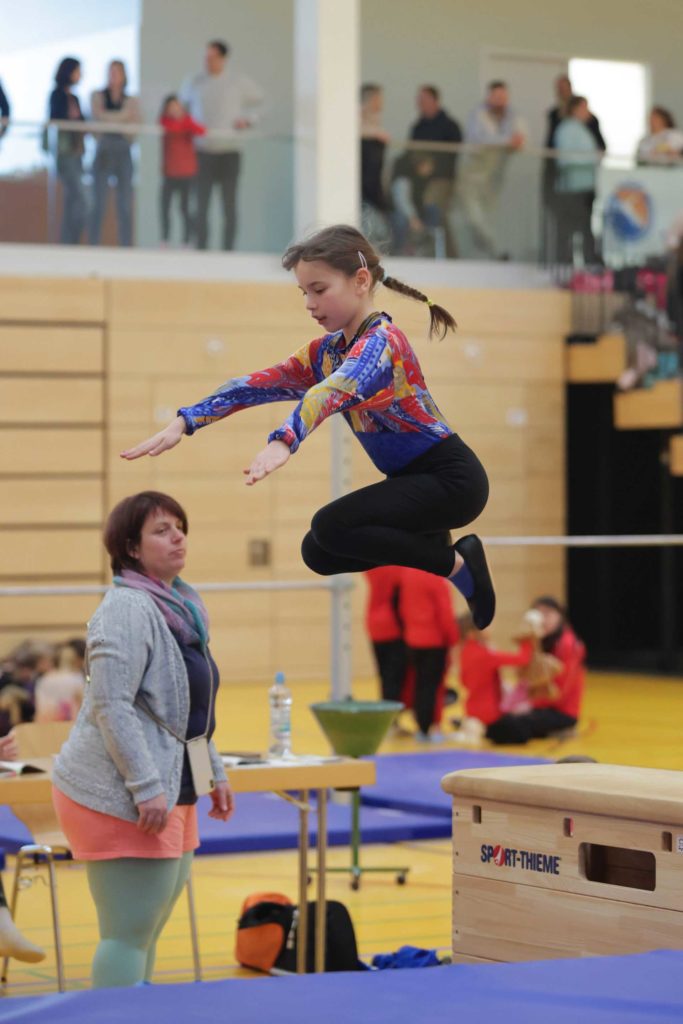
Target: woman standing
[(113, 159), (64, 106), (140, 752)]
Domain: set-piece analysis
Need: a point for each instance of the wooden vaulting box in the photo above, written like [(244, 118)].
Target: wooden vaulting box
[(566, 860)]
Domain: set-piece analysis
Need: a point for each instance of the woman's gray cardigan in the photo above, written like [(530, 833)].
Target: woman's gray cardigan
[(116, 756)]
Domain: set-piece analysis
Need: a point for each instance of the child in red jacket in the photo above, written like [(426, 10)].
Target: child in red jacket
[(179, 163), (385, 629), (557, 706), (480, 666), (430, 630)]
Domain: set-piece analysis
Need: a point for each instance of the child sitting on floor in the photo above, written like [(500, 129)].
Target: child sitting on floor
[(556, 681), (480, 666)]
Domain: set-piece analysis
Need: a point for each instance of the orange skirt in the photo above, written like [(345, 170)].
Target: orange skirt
[(96, 836)]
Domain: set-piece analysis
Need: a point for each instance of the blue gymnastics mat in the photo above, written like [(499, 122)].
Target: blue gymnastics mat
[(406, 803), (412, 782), (262, 821), (642, 989)]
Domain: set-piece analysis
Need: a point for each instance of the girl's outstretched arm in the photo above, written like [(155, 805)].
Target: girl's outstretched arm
[(161, 442), (287, 381), (273, 456)]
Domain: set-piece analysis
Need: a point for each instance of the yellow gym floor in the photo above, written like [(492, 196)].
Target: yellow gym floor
[(627, 720)]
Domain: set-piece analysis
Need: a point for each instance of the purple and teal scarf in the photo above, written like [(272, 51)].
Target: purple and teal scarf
[(180, 605)]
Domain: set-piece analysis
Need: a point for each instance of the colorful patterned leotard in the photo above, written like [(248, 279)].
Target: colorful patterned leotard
[(375, 382)]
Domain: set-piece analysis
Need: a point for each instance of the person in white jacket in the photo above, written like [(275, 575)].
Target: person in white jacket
[(226, 102)]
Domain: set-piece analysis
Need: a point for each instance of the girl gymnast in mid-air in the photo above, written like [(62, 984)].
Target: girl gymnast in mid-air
[(364, 367)]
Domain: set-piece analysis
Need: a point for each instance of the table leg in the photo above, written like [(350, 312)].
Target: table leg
[(321, 904), (302, 930)]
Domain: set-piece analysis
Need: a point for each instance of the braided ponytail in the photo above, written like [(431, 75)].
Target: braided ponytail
[(440, 320), (345, 248)]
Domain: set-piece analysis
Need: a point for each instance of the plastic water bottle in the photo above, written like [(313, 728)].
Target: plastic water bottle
[(280, 699)]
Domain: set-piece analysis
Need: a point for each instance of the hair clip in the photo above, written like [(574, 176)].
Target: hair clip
[(363, 261)]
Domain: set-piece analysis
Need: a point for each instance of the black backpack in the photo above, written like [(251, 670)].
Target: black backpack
[(341, 950)]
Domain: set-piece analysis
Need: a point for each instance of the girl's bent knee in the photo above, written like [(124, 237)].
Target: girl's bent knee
[(324, 529), (314, 557)]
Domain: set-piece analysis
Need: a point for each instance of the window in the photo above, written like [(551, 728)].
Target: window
[(617, 93)]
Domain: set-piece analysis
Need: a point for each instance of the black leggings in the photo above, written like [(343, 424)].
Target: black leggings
[(430, 665), (392, 662), (405, 519), (537, 724), (183, 186)]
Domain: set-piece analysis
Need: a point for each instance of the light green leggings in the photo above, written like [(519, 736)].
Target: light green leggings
[(134, 897)]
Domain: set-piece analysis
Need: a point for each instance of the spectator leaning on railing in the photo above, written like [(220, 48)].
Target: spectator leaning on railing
[(225, 101), (436, 125), (373, 144), (415, 219), (64, 106), (4, 110), (577, 163), (113, 158), (498, 131)]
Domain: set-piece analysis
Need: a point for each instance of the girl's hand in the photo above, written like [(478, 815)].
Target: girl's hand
[(223, 802), (267, 461), (153, 815), (9, 748), (167, 438)]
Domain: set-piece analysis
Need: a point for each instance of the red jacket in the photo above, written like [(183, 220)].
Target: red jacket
[(425, 608), (180, 159), (571, 680), (480, 675), (381, 616)]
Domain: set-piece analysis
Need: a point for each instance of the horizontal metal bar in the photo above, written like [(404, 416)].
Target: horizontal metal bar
[(637, 540), (642, 540), (47, 591)]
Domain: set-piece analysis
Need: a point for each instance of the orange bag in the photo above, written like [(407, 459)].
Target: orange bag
[(263, 928)]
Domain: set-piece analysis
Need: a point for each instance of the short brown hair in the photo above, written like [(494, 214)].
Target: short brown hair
[(575, 102), (123, 528)]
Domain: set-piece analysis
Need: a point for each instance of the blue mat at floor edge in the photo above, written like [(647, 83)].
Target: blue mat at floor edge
[(412, 782), (263, 821), (407, 803), (639, 989)]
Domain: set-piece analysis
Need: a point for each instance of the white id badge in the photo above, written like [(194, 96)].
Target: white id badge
[(200, 765)]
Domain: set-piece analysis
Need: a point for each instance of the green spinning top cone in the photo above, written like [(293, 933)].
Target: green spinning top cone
[(355, 728)]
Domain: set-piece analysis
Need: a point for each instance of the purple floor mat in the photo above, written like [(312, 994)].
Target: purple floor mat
[(643, 989), (412, 782)]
